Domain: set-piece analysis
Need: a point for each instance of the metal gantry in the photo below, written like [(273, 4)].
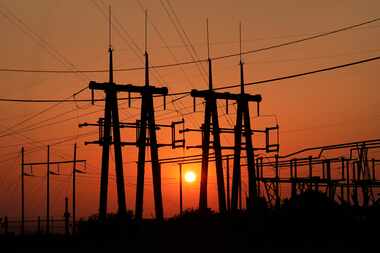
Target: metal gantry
[(242, 128), (146, 136)]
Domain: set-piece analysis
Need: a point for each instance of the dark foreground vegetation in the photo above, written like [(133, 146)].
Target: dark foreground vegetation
[(310, 220)]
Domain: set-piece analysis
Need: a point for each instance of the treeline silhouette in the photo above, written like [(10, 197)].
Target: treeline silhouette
[(308, 220)]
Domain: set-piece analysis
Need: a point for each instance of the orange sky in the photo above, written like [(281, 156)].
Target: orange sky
[(327, 108)]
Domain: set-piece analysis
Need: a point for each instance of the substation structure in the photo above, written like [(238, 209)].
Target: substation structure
[(344, 172), (355, 173), (348, 176)]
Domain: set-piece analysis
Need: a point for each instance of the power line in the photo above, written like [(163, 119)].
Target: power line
[(300, 40), (287, 36), (56, 103), (40, 125), (336, 124), (319, 35), (270, 80), (316, 57), (19, 23), (303, 74), (184, 38), (187, 93), (27, 30)]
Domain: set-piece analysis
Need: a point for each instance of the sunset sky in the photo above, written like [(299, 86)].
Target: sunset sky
[(327, 108)]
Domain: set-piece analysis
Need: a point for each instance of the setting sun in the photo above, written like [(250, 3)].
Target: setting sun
[(190, 176)]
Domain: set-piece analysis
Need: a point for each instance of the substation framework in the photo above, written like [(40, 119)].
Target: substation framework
[(355, 173)]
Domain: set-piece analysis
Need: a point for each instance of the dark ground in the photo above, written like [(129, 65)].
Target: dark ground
[(309, 221)]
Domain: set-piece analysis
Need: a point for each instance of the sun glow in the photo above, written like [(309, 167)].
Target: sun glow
[(190, 176)]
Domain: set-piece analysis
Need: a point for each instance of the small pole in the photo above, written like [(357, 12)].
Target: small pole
[(22, 193), (310, 166), (208, 40), (260, 177), (48, 192), (180, 190), (66, 215), (291, 169), (373, 170), (6, 223), (348, 181), (343, 176), (293, 181), (277, 190), (323, 169), (228, 184), (208, 58), (276, 165), (74, 190), (109, 26), (39, 224), (241, 62), (146, 30), (240, 194), (258, 171), (354, 185), (329, 178), (311, 172)]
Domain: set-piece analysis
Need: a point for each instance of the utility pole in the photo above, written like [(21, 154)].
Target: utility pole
[(48, 191), (23, 175), (74, 174), (180, 189), (228, 183), (66, 215), (22, 193), (74, 190)]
